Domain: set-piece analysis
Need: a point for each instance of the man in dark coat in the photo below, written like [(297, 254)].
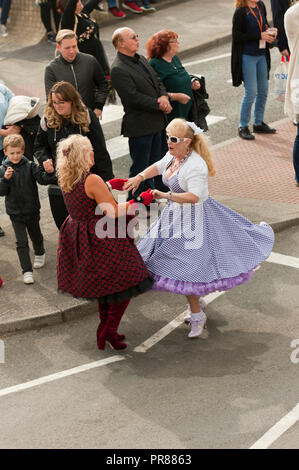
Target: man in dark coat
[(83, 71), (279, 7), (145, 101)]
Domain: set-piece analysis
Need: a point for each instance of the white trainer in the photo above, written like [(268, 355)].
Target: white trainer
[(197, 326), (4, 32), (28, 278), (202, 304), (39, 261)]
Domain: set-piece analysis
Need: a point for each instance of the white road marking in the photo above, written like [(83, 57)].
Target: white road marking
[(209, 59), (118, 147), (150, 342), (146, 345), (278, 429), (59, 375), (112, 112), (283, 260)]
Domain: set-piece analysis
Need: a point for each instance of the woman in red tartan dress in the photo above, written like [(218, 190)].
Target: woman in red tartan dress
[(90, 264)]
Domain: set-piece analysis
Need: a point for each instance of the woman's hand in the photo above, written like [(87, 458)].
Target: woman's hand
[(267, 37), (182, 98), (195, 85), (48, 165), (133, 183), (159, 194), (10, 130)]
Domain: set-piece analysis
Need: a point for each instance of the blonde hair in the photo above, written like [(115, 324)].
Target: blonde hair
[(199, 142), (240, 3), (13, 140), (65, 34), (73, 161)]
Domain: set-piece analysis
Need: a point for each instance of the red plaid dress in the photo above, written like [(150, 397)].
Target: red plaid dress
[(93, 267)]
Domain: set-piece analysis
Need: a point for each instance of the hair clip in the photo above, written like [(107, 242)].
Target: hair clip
[(197, 130), (66, 151)]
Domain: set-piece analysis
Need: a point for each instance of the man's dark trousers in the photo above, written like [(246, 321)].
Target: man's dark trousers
[(145, 150)]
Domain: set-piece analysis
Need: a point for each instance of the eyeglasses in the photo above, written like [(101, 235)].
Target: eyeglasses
[(175, 140), (58, 103), (135, 36)]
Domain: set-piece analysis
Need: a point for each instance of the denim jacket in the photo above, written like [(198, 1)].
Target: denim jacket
[(5, 97)]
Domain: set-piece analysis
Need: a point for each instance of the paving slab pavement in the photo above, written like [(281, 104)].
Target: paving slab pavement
[(254, 178)]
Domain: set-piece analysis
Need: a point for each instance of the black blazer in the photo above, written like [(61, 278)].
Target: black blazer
[(138, 91), (239, 38)]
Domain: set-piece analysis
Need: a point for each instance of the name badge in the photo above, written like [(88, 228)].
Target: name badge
[(262, 44)]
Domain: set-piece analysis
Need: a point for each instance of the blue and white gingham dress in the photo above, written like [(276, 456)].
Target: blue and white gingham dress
[(201, 248)]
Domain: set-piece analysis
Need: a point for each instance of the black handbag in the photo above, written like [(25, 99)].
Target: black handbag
[(200, 108)]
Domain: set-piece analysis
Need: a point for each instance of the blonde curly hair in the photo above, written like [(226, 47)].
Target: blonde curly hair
[(79, 115), (200, 143), (73, 161)]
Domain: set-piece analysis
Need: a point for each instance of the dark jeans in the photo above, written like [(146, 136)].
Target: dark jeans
[(45, 14), (296, 154), (145, 151), (58, 209), (32, 227), (5, 5)]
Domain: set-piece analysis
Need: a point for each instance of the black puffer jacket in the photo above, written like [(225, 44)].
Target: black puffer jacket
[(20, 191)]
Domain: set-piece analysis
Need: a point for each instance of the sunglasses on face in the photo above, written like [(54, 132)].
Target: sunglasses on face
[(175, 140), (134, 36)]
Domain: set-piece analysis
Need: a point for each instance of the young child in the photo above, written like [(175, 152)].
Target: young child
[(18, 178)]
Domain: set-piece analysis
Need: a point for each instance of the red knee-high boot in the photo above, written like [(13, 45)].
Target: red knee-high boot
[(109, 332), (103, 314)]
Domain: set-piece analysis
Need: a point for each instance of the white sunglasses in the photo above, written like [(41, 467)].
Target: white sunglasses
[(175, 140)]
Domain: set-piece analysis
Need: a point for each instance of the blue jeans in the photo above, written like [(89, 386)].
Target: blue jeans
[(144, 151), (255, 77), (296, 154), (5, 5)]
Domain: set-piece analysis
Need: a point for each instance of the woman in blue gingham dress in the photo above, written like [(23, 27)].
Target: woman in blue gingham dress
[(197, 245)]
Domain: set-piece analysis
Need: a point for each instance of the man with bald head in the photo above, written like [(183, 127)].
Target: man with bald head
[(145, 103)]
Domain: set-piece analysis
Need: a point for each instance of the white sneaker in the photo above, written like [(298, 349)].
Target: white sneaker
[(28, 278), (39, 261), (202, 304), (197, 327), (4, 32)]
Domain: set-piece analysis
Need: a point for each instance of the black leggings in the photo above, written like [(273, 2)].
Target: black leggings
[(58, 209)]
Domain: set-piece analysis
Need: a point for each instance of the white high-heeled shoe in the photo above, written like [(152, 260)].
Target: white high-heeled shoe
[(202, 304), (197, 326)]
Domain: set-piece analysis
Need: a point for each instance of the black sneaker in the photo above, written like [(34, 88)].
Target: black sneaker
[(245, 133), (2, 233), (51, 37), (264, 129)]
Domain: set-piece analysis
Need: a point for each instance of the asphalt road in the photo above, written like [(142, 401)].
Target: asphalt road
[(224, 390)]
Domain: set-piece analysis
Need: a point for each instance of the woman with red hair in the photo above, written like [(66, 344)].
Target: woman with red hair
[(162, 49)]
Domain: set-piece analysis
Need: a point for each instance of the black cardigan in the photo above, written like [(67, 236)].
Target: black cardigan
[(239, 38)]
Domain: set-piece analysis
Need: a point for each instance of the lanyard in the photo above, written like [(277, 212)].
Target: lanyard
[(260, 22)]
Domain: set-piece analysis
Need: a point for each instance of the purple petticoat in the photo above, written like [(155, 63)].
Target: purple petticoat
[(198, 288)]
